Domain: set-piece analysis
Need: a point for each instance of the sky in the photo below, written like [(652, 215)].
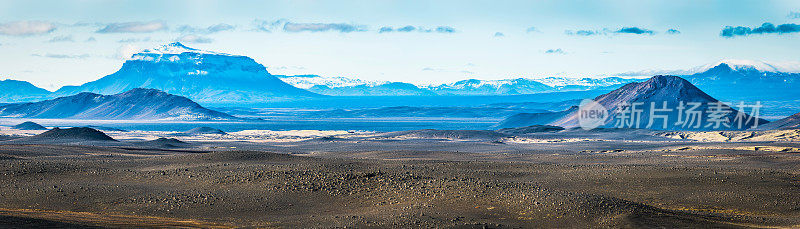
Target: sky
[(70, 42)]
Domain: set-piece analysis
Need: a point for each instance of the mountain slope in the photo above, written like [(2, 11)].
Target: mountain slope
[(791, 122), (20, 91), (136, 104), (656, 91), (532, 119), (203, 76)]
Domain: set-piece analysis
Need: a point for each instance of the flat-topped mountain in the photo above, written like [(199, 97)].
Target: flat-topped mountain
[(203, 76), (135, 104)]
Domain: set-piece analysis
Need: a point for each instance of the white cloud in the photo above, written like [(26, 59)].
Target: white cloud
[(208, 30), (268, 26), (194, 39), (323, 27), (67, 38), (126, 51), (555, 51), (134, 27), (62, 56), (26, 28)]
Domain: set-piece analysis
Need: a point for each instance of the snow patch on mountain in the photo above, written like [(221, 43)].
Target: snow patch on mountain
[(744, 65), (735, 64), (560, 82), (309, 81), (177, 48)]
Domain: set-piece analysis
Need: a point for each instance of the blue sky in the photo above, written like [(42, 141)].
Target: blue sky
[(56, 43)]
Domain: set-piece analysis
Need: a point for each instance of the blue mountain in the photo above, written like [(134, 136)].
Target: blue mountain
[(135, 104), (731, 81), (20, 91), (203, 76)]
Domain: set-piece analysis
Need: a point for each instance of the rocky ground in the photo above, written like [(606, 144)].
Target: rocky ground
[(402, 183)]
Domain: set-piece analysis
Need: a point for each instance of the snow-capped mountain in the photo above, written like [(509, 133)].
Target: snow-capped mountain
[(20, 91), (342, 86), (135, 104), (492, 87), (752, 65), (579, 84), (734, 64), (386, 89), (735, 82), (309, 81), (203, 76)]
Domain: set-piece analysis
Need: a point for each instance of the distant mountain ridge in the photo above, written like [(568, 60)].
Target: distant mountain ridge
[(203, 76), (748, 83), (492, 87), (135, 104), (20, 91), (309, 81), (386, 89), (342, 86)]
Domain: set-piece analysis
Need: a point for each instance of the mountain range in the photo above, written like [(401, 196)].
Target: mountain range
[(342, 86), (135, 104), (212, 78)]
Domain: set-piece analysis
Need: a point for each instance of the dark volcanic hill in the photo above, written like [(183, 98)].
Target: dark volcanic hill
[(656, 91), (70, 134), (202, 76), (29, 126), (165, 143), (20, 91), (136, 104)]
